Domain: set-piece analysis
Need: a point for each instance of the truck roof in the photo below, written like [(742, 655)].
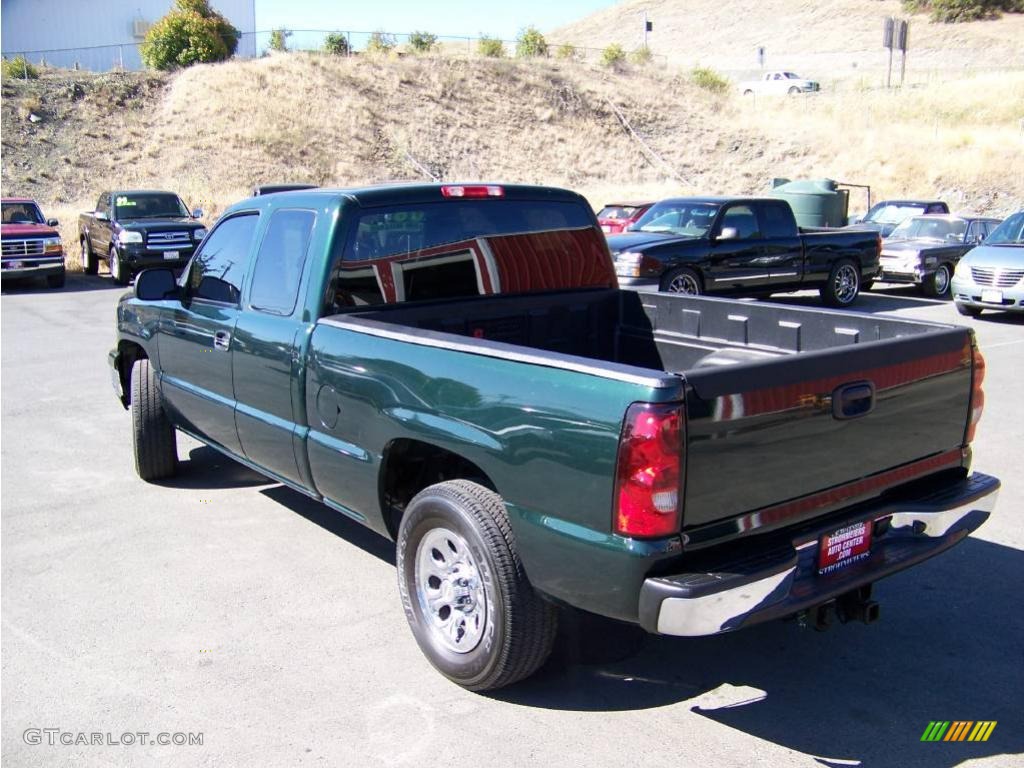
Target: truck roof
[(117, 191), (18, 200)]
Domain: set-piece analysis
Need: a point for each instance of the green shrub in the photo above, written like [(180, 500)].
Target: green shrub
[(491, 47), (19, 67), (336, 43), (279, 39), (613, 55), (380, 43), (531, 43), (708, 79), (191, 33), (565, 51), (422, 42), (641, 55)]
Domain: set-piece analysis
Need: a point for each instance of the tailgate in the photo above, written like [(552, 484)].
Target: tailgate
[(772, 443)]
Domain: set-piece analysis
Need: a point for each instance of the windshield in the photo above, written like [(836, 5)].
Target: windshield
[(1010, 232), (792, 76), (22, 213), (617, 212), (678, 218), (924, 228), (887, 213), (149, 206)]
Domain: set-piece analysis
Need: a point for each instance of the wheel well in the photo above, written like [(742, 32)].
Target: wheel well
[(409, 466), (128, 354)]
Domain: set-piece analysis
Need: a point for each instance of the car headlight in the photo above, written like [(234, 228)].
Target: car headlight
[(962, 271), (628, 263), (52, 246), (127, 236), (198, 234)]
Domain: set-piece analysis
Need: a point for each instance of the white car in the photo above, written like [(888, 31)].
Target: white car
[(778, 83)]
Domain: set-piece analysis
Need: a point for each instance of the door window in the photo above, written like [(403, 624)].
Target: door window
[(742, 219), (279, 263), (217, 269)]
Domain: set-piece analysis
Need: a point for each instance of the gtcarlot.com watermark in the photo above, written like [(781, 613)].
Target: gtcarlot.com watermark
[(54, 737)]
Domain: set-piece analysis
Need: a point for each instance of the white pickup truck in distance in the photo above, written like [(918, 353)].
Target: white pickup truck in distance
[(778, 83)]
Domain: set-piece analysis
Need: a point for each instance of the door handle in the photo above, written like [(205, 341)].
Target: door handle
[(222, 340), (851, 401)]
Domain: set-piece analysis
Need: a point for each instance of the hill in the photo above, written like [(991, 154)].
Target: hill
[(829, 40), (212, 132)]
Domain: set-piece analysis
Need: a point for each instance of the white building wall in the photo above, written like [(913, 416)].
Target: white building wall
[(98, 36)]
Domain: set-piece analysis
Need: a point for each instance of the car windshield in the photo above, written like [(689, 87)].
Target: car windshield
[(1010, 232), (678, 218), (22, 213), (617, 212), (149, 206), (924, 228), (889, 213), (792, 76)]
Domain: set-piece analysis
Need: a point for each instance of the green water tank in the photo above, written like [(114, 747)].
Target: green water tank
[(815, 203)]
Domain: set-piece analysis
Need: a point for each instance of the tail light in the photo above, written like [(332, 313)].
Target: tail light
[(648, 478), (480, 190), (977, 393)]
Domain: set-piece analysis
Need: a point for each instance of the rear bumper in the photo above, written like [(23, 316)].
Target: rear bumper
[(785, 580)]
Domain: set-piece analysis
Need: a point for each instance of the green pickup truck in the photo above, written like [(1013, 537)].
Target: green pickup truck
[(454, 367)]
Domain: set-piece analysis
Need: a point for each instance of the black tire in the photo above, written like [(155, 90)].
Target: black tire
[(90, 264), (118, 272), (153, 442), (515, 627), (793, 90), (56, 281), (867, 285), (936, 284), (967, 311), (748, 92), (843, 285), (682, 280)]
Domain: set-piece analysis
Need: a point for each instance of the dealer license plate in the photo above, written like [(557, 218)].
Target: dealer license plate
[(992, 297), (847, 545), (14, 265), (170, 254)]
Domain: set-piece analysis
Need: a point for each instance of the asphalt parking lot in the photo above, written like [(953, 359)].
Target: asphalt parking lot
[(224, 605)]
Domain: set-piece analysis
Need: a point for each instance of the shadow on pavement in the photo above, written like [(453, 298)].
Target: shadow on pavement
[(870, 301), (209, 468), (949, 646), (76, 283)]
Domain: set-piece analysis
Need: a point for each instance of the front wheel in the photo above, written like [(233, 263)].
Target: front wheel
[(153, 440), (937, 283), (793, 90), (466, 597), (118, 271), (843, 284), (682, 280)]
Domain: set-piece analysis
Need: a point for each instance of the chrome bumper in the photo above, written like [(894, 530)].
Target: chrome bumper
[(29, 269), (786, 581)]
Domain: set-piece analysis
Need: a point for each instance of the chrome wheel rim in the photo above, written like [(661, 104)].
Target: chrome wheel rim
[(115, 265), (684, 283), (84, 256), (450, 591), (846, 283), (941, 280)]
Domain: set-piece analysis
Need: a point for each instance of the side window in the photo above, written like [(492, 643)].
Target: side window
[(103, 204), (742, 219), (776, 221), (217, 269), (279, 263)]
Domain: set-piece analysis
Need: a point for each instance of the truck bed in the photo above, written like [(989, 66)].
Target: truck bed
[(766, 446)]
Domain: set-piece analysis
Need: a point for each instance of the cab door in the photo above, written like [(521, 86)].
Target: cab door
[(735, 251), (197, 338)]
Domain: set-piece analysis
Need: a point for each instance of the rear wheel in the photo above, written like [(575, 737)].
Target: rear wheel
[(153, 442), (937, 283), (466, 597), (793, 89), (56, 281), (118, 271), (89, 263), (843, 284), (967, 311), (682, 280)]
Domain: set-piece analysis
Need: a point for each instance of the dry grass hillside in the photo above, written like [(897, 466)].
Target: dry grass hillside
[(212, 132), (828, 40)]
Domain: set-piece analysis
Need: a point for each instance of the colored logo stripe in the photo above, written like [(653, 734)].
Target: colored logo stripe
[(958, 730)]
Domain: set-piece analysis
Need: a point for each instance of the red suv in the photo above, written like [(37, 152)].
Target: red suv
[(615, 217)]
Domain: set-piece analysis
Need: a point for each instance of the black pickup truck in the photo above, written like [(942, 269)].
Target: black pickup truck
[(454, 367), (742, 247), (138, 228)]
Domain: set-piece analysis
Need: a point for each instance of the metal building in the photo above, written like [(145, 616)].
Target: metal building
[(99, 36)]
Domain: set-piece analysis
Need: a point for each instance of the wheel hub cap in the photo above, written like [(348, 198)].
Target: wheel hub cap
[(450, 591)]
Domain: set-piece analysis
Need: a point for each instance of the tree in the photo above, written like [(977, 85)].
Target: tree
[(531, 43), (491, 47), (613, 55), (191, 33), (380, 42), (422, 42), (336, 43), (279, 39)]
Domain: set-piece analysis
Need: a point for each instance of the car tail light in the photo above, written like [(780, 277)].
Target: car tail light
[(481, 190), (648, 477), (977, 393)]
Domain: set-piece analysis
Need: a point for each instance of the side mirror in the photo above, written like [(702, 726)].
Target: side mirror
[(156, 285), (52, 223), (197, 213), (728, 233), (102, 216)]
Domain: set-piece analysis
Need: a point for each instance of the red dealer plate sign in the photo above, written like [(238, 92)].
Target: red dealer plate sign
[(845, 546)]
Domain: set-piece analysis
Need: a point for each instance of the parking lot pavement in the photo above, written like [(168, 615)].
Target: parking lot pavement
[(226, 606)]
